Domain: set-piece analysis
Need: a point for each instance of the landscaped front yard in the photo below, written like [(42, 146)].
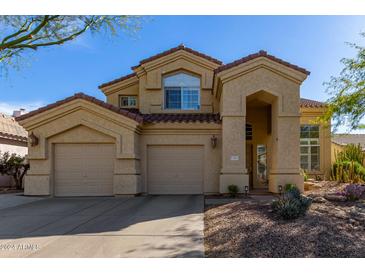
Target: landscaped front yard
[(248, 228)]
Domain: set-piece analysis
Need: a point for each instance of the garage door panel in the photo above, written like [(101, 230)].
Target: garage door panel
[(175, 169), (84, 169)]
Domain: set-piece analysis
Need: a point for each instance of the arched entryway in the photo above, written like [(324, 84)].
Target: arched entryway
[(259, 138)]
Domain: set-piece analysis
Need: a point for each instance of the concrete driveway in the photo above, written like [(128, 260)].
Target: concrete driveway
[(151, 226)]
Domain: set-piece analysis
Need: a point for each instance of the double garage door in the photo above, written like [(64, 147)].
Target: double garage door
[(87, 169)]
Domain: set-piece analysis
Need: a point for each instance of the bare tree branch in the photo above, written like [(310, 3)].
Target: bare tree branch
[(32, 32)]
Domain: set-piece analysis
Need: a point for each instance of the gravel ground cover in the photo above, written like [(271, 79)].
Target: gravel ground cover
[(249, 229)]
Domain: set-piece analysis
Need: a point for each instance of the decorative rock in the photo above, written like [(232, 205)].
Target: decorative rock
[(319, 200), (341, 215), (335, 198), (311, 185)]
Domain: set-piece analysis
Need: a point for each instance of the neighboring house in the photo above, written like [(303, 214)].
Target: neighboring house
[(339, 142), (13, 139), (181, 123)]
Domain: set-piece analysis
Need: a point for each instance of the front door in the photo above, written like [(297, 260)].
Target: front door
[(261, 166)]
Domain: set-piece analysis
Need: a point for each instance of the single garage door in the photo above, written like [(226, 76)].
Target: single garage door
[(84, 169), (175, 169)]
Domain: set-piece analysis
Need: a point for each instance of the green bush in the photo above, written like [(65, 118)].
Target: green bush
[(304, 174), (351, 153), (292, 204), (233, 190), (348, 172), (289, 187)]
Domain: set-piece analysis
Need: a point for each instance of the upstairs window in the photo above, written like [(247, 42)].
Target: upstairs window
[(309, 148), (128, 101), (182, 91)]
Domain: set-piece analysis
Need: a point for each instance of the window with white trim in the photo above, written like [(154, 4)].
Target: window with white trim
[(309, 148), (127, 101), (182, 91)]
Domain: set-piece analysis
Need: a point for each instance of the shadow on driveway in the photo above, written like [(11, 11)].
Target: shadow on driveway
[(150, 226)]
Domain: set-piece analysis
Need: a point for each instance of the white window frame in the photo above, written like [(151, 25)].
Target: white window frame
[(309, 143), (130, 99), (182, 88)]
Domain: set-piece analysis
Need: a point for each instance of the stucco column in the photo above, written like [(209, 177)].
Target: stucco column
[(127, 178), (234, 170), (233, 111), (285, 165)]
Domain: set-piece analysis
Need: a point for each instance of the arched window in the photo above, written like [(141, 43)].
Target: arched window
[(182, 91)]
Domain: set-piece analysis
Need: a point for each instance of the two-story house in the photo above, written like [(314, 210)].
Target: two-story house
[(181, 123)]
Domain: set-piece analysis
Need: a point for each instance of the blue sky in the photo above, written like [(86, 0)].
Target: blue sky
[(316, 43)]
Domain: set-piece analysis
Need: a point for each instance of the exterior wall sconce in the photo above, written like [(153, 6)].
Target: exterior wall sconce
[(246, 190), (280, 187), (33, 140), (214, 141)]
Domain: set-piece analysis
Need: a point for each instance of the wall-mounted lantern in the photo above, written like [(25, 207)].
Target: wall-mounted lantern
[(280, 187), (32, 139), (246, 190), (214, 141)]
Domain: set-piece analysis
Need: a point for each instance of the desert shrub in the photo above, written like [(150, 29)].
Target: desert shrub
[(290, 187), (291, 204), (353, 192), (304, 174), (233, 190), (351, 153), (348, 172), (13, 165)]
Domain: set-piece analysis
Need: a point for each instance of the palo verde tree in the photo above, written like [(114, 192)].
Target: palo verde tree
[(346, 105), (21, 34)]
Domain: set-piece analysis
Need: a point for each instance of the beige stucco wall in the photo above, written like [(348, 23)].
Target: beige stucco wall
[(260, 79), (13, 146), (125, 89), (335, 148), (148, 82), (177, 134), (281, 88), (82, 122)]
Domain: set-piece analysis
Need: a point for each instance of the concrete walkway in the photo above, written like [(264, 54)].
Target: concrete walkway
[(152, 226)]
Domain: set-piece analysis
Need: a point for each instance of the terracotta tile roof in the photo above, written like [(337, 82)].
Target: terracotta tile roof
[(125, 77), (10, 129), (134, 116), (345, 139), (131, 113), (182, 118), (261, 53), (172, 50), (307, 103)]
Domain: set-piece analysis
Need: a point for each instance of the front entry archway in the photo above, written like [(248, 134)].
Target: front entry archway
[(259, 139)]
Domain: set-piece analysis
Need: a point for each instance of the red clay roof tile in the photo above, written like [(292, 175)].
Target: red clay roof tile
[(125, 77), (131, 113), (134, 116), (172, 50), (182, 118), (307, 103), (261, 53)]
